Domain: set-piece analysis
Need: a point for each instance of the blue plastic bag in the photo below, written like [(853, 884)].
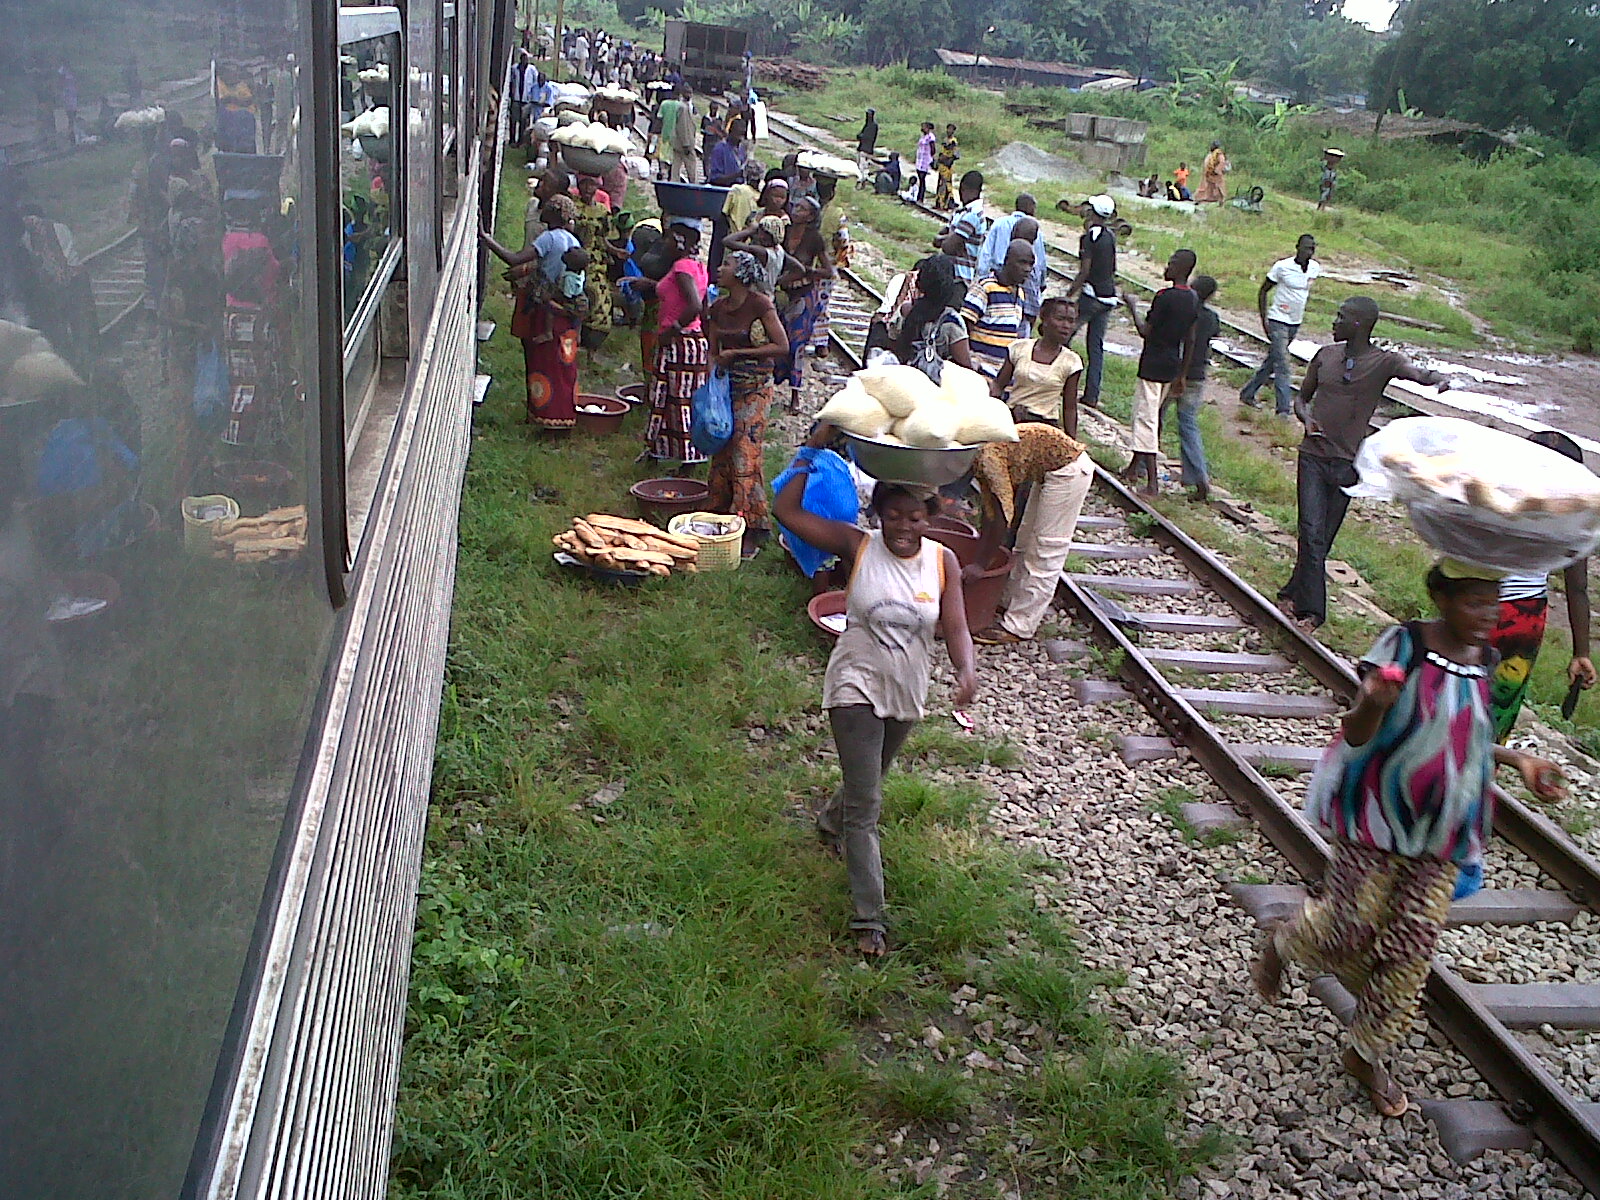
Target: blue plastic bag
[(711, 408), (830, 492), (210, 385), (1469, 882)]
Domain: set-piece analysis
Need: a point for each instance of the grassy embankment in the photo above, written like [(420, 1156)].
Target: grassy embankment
[(1258, 468), (1515, 238), (630, 974)]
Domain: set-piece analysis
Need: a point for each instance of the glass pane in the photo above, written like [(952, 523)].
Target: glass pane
[(156, 680), (370, 73)]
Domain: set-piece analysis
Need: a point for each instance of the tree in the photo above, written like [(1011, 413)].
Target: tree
[(1530, 60), (891, 30)]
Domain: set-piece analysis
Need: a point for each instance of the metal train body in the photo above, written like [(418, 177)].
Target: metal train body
[(225, 285)]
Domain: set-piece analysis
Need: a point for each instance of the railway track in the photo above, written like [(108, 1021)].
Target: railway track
[(116, 274), (1255, 715)]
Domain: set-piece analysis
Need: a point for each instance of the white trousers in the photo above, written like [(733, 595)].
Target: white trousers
[(1043, 541), (1148, 396)]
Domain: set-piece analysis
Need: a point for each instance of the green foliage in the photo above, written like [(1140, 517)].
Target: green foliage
[(1532, 63), (922, 1092)]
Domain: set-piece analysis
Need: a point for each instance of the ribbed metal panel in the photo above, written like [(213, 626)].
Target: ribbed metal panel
[(311, 1111)]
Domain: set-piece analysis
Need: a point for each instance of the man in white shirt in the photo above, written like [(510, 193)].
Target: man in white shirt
[(1289, 283)]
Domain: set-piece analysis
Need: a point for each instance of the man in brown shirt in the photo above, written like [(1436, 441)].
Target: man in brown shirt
[(1059, 471), (1342, 388)]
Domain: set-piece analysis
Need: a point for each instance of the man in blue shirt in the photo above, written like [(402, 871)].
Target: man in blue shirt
[(725, 166), (1022, 224)]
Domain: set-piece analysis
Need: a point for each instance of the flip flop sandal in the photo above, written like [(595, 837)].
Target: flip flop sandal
[(996, 637), (1391, 1099)]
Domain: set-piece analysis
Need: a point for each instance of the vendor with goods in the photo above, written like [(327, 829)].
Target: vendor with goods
[(1404, 791), (1524, 606), (903, 587)]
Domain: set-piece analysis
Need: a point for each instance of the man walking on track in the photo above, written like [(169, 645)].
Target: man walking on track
[(1095, 289), (1289, 282), (1343, 386)]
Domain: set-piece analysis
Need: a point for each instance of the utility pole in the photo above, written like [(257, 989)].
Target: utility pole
[(555, 46)]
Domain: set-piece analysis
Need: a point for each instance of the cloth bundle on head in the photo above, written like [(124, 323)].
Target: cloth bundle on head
[(772, 226), (562, 206), (1455, 568), (746, 269)]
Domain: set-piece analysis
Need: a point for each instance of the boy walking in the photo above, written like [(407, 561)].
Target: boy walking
[(1168, 333)]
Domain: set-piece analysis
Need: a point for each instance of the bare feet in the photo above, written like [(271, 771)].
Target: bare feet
[(1386, 1095), (1267, 971), (872, 943)]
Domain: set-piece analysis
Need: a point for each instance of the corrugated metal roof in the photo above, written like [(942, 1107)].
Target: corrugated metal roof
[(960, 58)]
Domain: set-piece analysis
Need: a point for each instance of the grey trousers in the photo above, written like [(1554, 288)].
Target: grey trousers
[(867, 745)]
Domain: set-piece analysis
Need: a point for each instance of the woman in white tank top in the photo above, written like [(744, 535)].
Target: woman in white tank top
[(903, 587)]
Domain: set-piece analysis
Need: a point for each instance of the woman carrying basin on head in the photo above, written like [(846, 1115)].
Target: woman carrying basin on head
[(903, 587)]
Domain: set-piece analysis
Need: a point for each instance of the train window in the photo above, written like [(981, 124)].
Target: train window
[(372, 189)]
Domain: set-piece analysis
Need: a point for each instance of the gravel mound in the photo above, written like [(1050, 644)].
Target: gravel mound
[(1029, 164)]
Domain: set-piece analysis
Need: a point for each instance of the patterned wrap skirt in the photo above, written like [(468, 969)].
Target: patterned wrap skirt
[(1517, 637), (800, 323), (1374, 929), (738, 478), (682, 365), (550, 360)]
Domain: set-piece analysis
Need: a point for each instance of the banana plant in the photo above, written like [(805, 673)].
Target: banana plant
[(1282, 113)]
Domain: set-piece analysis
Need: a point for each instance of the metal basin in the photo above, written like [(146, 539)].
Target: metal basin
[(911, 464), (690, 199)]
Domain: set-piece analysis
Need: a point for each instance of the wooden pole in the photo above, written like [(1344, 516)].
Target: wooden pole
[(555, 46)]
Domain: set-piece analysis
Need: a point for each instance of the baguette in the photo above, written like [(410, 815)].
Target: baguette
[(658, 570), (621, 524), (587, 534), (642, 556), (671, 548)]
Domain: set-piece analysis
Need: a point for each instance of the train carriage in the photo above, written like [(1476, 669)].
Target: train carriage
[(238, 286)]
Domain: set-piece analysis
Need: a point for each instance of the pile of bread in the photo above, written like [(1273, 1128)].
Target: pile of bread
[(592, 135), (274, 535), (618, 95), (624, 544), (828, 164), (900, 406)]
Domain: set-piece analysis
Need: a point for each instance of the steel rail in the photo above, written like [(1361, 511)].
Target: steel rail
[(1533, 1096)]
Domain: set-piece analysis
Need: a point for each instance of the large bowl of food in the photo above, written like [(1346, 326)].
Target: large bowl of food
[(659, 499), (895, 462), (589, 162), (600, 414), (690, 199)]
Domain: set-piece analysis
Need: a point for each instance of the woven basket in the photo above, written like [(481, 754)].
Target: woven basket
[(719, 553)]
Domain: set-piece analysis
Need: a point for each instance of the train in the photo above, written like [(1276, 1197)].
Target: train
[(239, 291)]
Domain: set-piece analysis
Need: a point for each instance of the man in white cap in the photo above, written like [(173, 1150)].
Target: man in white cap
[(1095, 288)]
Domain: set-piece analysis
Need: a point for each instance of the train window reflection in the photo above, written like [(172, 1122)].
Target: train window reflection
[(371, 76)]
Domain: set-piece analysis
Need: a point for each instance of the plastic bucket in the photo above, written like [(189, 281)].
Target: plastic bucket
[(201, 517)]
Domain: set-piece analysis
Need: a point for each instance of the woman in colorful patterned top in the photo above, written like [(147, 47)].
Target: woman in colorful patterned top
[(1404, 791)]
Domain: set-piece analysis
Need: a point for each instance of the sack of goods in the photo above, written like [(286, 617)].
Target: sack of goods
[(602, 139), (898, 405), (1483, 496)]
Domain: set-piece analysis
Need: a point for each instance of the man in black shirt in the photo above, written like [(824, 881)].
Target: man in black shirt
[(866, 146), (1095, 289), (1168, 333), (1191, 448), (1342, 388)]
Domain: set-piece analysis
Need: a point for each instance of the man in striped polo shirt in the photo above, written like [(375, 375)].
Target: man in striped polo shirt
[(993, 307)]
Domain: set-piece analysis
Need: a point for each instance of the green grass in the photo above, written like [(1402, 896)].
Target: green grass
[(657, 997), (1515, 237)]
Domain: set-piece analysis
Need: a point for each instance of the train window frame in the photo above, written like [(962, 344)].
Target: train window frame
[(366, 391)]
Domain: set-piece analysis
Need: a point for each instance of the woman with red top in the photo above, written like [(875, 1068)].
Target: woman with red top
[(682, 360)]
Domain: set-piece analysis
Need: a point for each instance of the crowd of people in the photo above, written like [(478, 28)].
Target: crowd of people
[(1403, 789)]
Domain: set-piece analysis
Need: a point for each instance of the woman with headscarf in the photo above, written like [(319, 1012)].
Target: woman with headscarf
[(1212, 170), (596, 227), (803, 285), (682, 357), (932, 330), (763, 241), (745, 337), (944, 163), (545, 322), (774, 198)]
